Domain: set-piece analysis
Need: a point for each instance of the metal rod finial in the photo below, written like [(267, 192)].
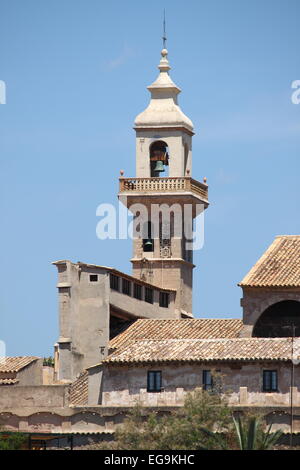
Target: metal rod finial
[(164, 38)]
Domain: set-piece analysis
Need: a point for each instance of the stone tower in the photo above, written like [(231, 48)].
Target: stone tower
[(163, 197)]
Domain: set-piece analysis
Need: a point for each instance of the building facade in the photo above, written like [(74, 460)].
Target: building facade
[(133, 338)]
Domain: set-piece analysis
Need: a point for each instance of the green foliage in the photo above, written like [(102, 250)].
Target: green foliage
[(48, 361), (12, 441), (251, 434), (204, 422)]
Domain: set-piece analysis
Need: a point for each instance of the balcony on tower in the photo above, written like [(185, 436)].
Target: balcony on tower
[(172, 186)]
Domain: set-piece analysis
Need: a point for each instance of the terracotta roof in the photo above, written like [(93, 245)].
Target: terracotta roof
[(144, 329), (14, 364), (8, 381), (279, 266), (203, 350), (79, 390)]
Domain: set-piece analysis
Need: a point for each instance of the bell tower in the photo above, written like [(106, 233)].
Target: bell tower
[(163, 197)]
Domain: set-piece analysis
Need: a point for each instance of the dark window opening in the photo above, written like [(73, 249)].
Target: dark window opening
[(164, 299), (93, 277), (137, 291), (148, 242), (114, 282), (126, 287), (270, 381), (118, 325), (154, 381), (149, 295), (207, 381)]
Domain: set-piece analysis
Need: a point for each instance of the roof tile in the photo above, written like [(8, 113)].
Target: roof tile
[(79, 390), (279, 266), (202, 350), (14, 364), (154, 329)]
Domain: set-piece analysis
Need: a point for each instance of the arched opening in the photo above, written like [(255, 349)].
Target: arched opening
[(159, 158), (279, 320)]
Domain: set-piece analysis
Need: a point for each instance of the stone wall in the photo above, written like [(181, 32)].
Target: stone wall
[(125, 386), (31, 374), (16, 397)]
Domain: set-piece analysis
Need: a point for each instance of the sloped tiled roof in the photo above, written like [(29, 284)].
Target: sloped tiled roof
[(203, 350), (279, 266), (8, 381), (144, 329), (79, 390), (14, 364)]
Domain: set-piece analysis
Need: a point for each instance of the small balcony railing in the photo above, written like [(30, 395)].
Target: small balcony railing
[(170, 184)]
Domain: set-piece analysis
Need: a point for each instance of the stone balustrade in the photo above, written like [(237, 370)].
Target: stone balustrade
[(169, 184)]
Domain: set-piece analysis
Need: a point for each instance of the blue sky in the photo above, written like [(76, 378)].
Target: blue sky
[(76, 73)]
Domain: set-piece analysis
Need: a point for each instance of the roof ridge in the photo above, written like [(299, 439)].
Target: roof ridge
[(287, 236), (207, 340)]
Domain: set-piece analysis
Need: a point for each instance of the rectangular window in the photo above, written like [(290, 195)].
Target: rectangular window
[(149, 295), (93, 277), (114, 282), (270, 380), (164, 299), (137, 291), (154, 381), (207, 381), (126, 287)]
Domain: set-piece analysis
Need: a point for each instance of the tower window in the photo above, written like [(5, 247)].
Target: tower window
[(114, 282), (93, 277), (137, 291), (164, 299), (148, 245), (154, 381), (149, 295), (270, 381), (126, 287), (148, 242)]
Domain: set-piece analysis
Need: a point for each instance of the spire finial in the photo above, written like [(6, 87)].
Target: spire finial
[(164, 38)]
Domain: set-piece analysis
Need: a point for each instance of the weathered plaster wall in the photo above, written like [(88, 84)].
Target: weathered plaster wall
[(84, 311), (31, 374), (84, 318), (14, 397), (124, 386), (140, 308), (48, 375)]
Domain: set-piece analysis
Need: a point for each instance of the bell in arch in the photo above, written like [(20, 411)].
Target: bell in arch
[(159, 167), (158, 157)]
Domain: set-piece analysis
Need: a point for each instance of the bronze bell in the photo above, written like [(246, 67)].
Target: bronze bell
[(148, 245), (159, 167)]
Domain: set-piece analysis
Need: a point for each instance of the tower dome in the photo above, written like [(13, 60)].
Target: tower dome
[(163, 109)]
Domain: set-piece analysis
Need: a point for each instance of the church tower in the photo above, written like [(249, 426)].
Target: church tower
[(163, 197)]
